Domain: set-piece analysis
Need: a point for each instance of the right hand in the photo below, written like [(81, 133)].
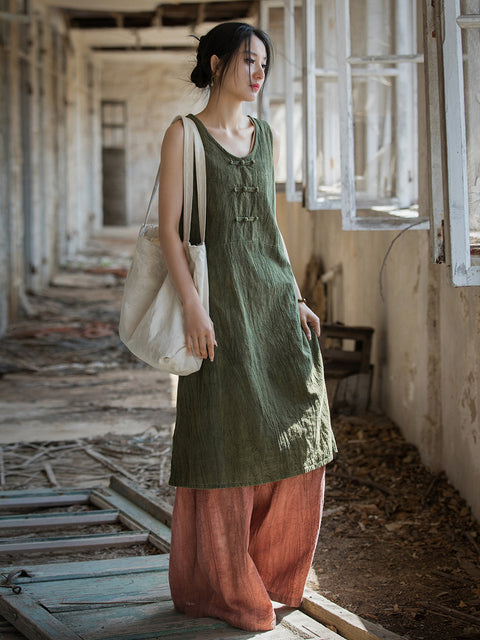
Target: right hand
[(199, 331)]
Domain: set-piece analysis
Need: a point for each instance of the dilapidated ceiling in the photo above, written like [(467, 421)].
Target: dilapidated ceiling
[(108, 25)]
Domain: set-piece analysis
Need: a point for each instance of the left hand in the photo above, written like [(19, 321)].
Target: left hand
[(308, 319)]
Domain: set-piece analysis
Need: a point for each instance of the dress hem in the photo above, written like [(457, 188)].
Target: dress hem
[(232, 485)]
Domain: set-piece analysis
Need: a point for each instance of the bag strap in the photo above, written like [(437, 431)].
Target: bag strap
[(193, 151)]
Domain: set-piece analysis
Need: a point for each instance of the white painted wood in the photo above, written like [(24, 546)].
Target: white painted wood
[(390, 58), (292, 195), (458, 226), (435, 134), (469, 21), (327, 115), (345, 102), (264, 100), (405, 139), (375, 21), (325, 197), (405, 32), (310, 104)]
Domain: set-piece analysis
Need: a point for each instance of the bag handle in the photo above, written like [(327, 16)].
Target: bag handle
[(193, 151)]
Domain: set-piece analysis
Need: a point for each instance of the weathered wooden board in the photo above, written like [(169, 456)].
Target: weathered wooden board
[(77, 543), (149, 502), (133, 516), (124, 599), (54, 520), (14, 500), (348, 624), (84, 569)]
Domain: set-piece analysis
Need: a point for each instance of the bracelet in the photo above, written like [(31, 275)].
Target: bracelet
[(302, 300)]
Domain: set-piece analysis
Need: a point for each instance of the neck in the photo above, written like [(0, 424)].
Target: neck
[(223, 111)]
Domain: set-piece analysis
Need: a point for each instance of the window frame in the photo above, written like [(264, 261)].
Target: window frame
[(465, 269), (292, 192), (312, 201), (350, 220)]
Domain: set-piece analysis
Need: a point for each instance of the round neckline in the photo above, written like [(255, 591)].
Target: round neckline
[(215, 141)]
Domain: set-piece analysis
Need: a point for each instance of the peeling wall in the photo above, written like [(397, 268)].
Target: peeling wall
[(155, 91), (50, 172), (426, 347)]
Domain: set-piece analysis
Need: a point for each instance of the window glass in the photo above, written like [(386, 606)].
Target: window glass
[(471, 79)]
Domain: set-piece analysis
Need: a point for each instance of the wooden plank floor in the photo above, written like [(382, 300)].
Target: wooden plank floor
[(123, 599)]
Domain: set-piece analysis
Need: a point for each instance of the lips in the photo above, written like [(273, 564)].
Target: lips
[(255, 87)]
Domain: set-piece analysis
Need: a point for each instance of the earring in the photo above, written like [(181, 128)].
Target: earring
[(212, 81)]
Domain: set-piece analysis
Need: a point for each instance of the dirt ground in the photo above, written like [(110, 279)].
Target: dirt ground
[(398, 545)]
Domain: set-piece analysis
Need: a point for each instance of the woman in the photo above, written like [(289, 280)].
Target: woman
[(253, 434)]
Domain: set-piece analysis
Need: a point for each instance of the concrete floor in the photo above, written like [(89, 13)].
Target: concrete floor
[(68, 384)]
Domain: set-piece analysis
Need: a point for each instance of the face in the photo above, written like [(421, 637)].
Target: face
[(246, 74)]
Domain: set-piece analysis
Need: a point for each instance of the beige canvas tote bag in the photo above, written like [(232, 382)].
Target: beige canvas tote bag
[(151, 317)]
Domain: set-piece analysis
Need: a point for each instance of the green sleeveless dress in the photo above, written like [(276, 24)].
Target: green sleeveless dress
[(259, 412)]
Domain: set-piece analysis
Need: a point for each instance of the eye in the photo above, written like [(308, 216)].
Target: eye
[(250, 60)]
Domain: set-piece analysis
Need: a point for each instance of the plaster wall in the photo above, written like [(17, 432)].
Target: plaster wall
[(426, 349), (49, 172), (155, 91)]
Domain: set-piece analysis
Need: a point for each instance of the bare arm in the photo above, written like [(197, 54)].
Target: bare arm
[(307, 317), (198, 327)]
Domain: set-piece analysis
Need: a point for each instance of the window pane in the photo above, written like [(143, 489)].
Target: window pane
[(471, 72), (328, 138), (383, 55), (372, 27), (375, 158)]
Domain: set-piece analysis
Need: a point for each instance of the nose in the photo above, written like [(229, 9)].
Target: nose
[(259, 72)]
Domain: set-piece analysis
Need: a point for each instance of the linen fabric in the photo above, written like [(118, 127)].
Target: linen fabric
[(259, 412), (151, 316), (235, 550)]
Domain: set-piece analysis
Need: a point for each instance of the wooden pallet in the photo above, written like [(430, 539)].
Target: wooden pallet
[(126, 598)]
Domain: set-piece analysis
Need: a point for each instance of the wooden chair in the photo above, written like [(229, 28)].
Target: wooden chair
[(348, 371)]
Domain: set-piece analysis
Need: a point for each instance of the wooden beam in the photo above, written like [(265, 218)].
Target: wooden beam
[(47, 520), (103, 540), (349, 625), (83, 569), (133, 516), (33, 620), (156, 507), (13, 17), (48, 500)]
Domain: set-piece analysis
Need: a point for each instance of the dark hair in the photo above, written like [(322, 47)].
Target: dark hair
[(224, 41)]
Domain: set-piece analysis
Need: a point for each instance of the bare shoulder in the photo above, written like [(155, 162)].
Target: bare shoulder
[(172, 145)]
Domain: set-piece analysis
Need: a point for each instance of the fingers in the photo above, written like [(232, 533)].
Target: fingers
[(306, 328), (309, 319), (315, 324), (202, 345)]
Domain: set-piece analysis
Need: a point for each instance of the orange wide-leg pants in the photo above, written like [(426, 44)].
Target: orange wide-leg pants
[(235, 550)]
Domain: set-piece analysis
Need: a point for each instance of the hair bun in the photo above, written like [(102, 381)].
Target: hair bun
[(199, 77)]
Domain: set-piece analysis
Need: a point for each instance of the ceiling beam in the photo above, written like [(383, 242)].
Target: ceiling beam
[(138, 38), (122, 6)]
